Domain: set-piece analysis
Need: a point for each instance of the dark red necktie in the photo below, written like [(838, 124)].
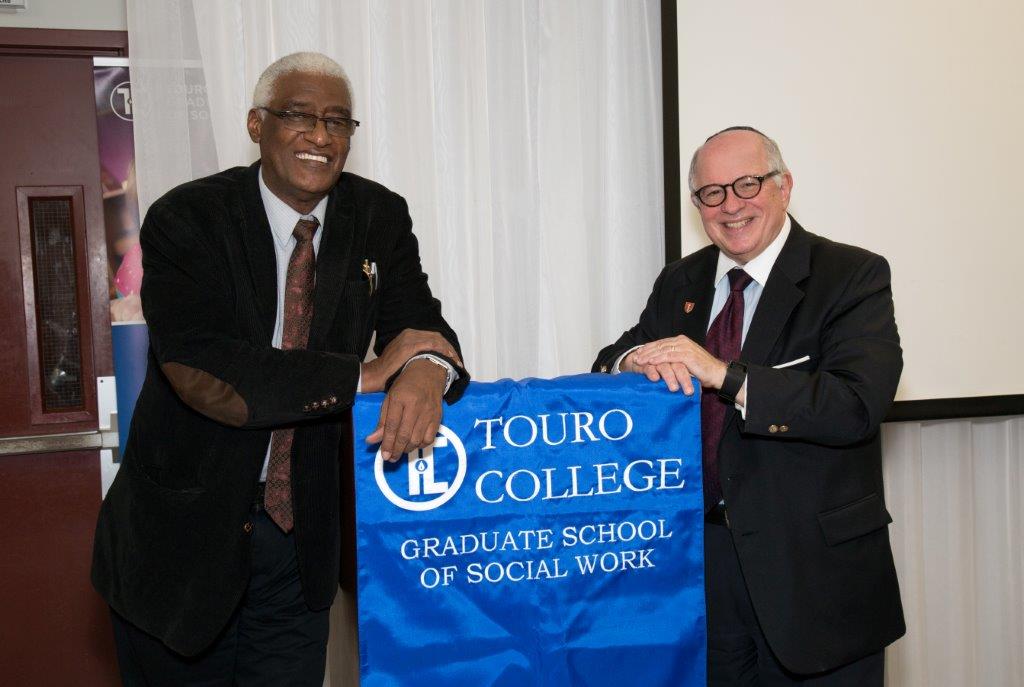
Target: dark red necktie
[(298, 313), (724, 341)]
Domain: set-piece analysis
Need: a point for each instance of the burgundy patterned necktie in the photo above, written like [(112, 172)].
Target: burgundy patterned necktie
[(724, 341), (298, 313)]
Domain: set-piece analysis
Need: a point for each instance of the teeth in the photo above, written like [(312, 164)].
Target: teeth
[(322, 159), (737, 225)]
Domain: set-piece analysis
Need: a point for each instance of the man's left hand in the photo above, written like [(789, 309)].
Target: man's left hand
[(675, 360), (411, 412)]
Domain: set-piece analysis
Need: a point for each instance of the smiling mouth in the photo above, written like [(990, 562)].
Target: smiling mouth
[(739, 224), (312, 157)]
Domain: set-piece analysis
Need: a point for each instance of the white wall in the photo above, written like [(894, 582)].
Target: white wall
[(902, 124), (95, 15)]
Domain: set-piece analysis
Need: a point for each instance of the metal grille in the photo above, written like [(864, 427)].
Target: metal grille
[(53, 256)]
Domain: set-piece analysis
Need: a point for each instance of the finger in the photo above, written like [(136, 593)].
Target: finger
[(425, 430), (651, 372), (669, 375), (684, 377), (392, 423), (377, 434), (647, 352), (663, 357), (403, 435), (442, 345)]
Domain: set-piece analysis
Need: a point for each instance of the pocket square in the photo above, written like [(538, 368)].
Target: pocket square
[(791, 363)]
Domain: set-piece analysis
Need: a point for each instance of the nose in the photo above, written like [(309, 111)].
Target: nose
[(732, 203), (318, 136)]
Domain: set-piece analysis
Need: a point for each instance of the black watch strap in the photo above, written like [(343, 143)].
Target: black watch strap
[(735, 375)]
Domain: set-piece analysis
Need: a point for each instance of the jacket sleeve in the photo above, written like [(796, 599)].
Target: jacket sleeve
[(199, 341), (406, 300), (844, 399), (644, 331)]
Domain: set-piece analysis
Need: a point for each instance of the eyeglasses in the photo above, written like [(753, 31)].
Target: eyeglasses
[(304, 122), (746, 187)]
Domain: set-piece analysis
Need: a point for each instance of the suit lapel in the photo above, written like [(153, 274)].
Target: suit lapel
[(332, 261), (259, 250), (697, 288), (781, 295)]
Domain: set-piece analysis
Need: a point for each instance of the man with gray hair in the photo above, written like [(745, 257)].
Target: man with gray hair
[(221, 542), (793, 340)]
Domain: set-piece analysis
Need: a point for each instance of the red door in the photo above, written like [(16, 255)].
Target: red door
[(54, 343)]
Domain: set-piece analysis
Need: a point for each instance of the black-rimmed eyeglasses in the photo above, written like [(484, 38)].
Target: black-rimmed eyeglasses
[(746, 187), (304, 122)]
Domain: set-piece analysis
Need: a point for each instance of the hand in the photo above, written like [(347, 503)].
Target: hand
[(397, 353), (675, 360), (411, 412)]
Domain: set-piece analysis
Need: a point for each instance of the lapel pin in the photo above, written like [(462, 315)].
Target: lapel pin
[(688, 307), (370, 272)]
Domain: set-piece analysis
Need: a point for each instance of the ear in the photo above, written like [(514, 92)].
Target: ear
[(693, 199), (254, 123), (787, 187)]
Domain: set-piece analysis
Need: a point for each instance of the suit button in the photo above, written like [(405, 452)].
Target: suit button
[(783, 428), (247, 527), (334, 399), (306, 408), (773, 428)]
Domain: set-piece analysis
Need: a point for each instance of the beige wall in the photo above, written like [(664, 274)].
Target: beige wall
[(902, 124), (96, 15)]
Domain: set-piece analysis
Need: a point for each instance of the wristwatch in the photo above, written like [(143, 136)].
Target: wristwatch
[(735, 375)]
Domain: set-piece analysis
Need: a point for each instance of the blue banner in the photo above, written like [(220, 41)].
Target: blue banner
[(130, 342), (552, 535)]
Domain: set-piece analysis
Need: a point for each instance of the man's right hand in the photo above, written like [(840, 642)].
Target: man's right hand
[(398, 352)]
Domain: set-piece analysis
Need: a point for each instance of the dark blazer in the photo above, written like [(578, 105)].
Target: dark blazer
[(802, 476), (172, 543)]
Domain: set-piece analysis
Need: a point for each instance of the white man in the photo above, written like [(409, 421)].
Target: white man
[(794, 342)]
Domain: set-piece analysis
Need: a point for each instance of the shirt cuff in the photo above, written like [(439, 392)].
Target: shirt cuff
[(743, 408), (618, 361), (359, 382), (452, 375)]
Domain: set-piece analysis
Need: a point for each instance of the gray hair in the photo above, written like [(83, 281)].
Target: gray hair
[(771, 151), (305, 62)]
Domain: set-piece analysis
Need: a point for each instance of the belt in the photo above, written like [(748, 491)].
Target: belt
[(257, 500), (717, 516)]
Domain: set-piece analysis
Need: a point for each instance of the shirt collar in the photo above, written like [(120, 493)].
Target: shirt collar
[(760, 267), (282, 217)]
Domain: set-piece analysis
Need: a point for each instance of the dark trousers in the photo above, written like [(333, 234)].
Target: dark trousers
[(272, 639), (738, 653)]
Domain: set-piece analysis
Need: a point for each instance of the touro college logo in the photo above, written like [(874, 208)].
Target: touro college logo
[(430, 477)]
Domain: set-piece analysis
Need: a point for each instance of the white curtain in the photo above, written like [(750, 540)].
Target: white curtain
[(956, 492), (526, 136)]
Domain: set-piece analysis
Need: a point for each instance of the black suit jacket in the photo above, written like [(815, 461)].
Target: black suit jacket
[(802, 475), (172, 542)]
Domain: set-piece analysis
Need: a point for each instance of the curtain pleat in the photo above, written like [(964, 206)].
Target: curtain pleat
[(955, 489)]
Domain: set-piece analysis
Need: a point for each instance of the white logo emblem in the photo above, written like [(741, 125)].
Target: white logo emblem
[(121, 100), (421, 470)]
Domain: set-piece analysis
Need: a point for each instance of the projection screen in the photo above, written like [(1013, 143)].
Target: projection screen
[(903, 126)]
